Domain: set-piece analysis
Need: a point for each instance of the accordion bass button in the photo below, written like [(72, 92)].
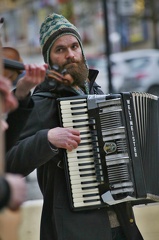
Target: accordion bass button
[(131, 220)]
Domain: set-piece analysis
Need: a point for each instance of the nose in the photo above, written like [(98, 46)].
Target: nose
[(70, 54)]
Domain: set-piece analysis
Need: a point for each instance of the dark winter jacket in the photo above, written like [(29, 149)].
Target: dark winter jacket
[(16, 121), (33, 151)]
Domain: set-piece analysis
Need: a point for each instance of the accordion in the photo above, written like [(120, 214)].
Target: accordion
[(117, 159)]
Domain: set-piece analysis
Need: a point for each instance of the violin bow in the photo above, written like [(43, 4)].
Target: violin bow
[(52, 74)]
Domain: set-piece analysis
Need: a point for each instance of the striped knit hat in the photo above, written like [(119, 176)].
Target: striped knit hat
[(53, 27)]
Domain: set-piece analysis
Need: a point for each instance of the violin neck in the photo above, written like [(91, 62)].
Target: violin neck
[(12, 64)]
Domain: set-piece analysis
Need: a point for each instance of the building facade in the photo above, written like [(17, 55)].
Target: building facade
[(127, 27)]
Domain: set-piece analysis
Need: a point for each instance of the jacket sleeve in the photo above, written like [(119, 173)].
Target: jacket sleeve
[(32, 149), (16, 121)]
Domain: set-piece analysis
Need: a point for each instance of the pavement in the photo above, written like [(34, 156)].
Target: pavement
[(33, 190), (147, 216)]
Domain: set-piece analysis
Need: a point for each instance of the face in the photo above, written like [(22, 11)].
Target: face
[(66, 53)]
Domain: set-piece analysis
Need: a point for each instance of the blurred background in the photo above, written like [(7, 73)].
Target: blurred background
[(120, 38), (111, 30)]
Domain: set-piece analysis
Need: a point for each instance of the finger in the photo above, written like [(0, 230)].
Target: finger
[(58, 77), (69, 147), (74, 131)]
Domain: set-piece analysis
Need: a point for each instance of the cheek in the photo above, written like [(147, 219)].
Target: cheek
[(56, 59), (79, 56)]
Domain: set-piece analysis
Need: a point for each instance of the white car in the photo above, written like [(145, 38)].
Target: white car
[(143, 72), (118, 69), (136, 70)]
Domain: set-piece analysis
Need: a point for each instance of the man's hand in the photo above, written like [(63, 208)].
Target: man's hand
[(67, 138), (18, 190), (34, 75)]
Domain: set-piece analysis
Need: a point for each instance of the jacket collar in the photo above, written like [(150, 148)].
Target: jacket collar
[(93, 73)]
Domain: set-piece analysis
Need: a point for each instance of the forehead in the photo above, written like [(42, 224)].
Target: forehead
[(65, 40)]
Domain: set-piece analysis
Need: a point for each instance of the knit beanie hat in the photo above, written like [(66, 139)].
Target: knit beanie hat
[(53, 27)]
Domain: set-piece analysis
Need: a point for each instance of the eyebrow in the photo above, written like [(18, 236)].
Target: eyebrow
[(63, 45)]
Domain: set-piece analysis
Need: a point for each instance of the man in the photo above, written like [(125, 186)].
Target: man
[(12, 186), (42, 142), (34, 75), (19, 105)]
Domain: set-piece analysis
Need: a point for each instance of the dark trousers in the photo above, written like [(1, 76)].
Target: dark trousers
[(117, 234)]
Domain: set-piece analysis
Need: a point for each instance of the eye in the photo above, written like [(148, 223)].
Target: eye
[(75, 46), (59, 50)]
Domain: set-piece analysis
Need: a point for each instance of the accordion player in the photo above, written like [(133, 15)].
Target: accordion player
[(117, 159)]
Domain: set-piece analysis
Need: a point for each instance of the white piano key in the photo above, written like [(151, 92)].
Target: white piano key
[(75, 101), (77, 124), (80, 156), (79, 187), (70, 117), (64, 106), (80, 148), (75, 154), (81, 164), (74, 109), (91, 198), (82, 204), (77, 180), (73, 161), (82, 194), (81, 173), (82, 177), (77, 165)]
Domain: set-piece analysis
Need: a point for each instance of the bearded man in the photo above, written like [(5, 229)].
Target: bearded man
[(43, 141)]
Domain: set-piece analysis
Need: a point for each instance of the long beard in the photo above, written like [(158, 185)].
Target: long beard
[(78, 71)]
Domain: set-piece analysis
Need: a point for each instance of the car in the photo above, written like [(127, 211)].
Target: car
[(118, 70), (143, 72), (135, 70)]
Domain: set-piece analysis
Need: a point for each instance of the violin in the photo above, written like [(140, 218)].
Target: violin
[(50, 73)]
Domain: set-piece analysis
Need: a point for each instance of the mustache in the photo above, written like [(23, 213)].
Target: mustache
[(70, 61)]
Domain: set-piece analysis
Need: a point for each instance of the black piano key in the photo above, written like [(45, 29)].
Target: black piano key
[(89, 188), (79, 113), (85, 164), (85, 143), (91, 200), (90, 195), (81, 126), (88, 182), (85, 156), (78, 108), (86, 169), (87, 175), (78, 102), (80, 120), (84, 132), (84, 151)]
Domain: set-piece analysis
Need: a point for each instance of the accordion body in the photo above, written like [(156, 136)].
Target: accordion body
[(118, 157)]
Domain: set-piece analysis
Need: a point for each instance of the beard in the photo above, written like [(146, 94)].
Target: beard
[(78, 70), (79, 73)]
